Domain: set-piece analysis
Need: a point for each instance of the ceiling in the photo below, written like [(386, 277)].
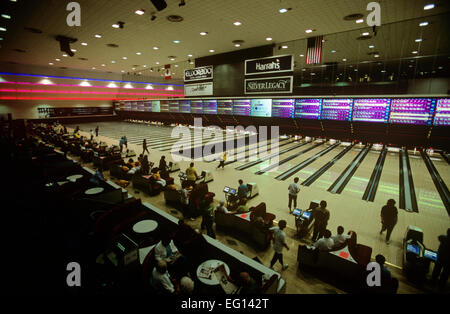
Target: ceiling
[(259, 18)]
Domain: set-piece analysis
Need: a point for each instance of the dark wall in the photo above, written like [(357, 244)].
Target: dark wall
[(229, 69)]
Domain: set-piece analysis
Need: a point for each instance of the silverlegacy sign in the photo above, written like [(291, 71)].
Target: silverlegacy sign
[(269, 85), (197, 74)]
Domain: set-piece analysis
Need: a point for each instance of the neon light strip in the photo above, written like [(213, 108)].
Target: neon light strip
[(73, 85), (82, 78), (76, 92), (71, 98)]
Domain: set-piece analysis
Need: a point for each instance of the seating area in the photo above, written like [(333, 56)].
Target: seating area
[(91, 220)]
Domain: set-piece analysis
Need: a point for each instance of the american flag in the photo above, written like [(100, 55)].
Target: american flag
[(167, 74), (314, 50)]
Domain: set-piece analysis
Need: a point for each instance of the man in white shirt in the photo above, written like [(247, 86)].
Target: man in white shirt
[(293, 191), (340, 238), (166, 251), (279, 241), (325, 243), (222, 209), (161, 278)]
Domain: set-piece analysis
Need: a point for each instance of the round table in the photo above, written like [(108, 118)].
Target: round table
[(145, 226), (75, 177), (94, 191), (212, 263)]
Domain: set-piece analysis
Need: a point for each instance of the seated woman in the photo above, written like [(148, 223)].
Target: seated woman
[(243, 207), (157, 178), (130, 163), (222, 209)]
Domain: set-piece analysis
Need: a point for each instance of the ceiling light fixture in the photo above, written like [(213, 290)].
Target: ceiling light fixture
[(155, 48), (309, 31), (50, 63), (64, 55), (115, 26), (365, 34), (237, 23), (138, 53), (113, 61), (83, 44), (415, 52), (284, 10), (302, 55), (6, 16), (189, 55), (418, 40), (58, 59), (97, 36), (139, 12), (371, 46), (269, 38), (176, 41), (237, 45), (284, 47), (211, 50), (423, 24), (359, 21), (2, 29), (124, 58), (203, 33), (428, 7), (344, 59), (333, 51)]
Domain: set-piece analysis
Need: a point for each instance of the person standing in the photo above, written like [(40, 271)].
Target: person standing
[(222, 161), (96, 131), (242, 190), (293, 191), (388, 218), (92, 135), (125, 141), (279, 241), (144, 147), (321, 217), (121, 144), (443, 261), (208, 219), (191, 174)]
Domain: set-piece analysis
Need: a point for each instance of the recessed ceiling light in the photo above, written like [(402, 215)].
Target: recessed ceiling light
[(333, 51), (191, 62), (371, 46), (423, 24), (415, 52), (211, 50), (365, 34), (418, 40), (103, 65), (359, 21), (115, 26), (189, 55), (58, 59), (176, 65), (269, 38), (73, 50), (284, 47), (6, 16), (138, 53), (176, 41), (124, 58), (133, 69), (2, 29), (303, 70), (1, 38), (203, 33), (113, 61), (312, 73), (157, 62), (51, 63), (302, 55), (237, 45), (64, 55), (93, 68), (309, 31), (344, 59), (155, 48), (144, 65), (440, 68), (237, 23), (376, 56), (428, 7), (383, 71), (98, 36), (83, 44), (284, 10), (172, 59), (123, 71), (139, 12)]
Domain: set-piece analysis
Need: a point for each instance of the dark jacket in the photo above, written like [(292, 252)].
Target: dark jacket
[(444, 250), (389, 215)]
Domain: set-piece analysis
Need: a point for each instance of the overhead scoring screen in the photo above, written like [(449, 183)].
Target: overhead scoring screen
[(174, 106), (241, 107), (261, 107), (185, 106), (210, 106), (196, 106), (442, 116), (225, 107), (283, 108), (164, 106), (371, 110), (337, 109), (308, 108), (412, 111)]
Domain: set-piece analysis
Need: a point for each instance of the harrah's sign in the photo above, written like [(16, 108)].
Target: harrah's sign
[(276, 64), (197, 74)]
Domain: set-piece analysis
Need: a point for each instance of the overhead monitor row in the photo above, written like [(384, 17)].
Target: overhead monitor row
[(419, 111)]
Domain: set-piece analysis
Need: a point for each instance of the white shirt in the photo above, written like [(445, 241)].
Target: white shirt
[(161, 252), (324, 244), (184, 197), (340, 239), (293, 189), (279, 239), (162, 280), (222, 209)]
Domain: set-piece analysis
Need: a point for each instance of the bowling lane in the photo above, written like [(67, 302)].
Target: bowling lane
[(428, 198), (327, 179), (358, 183), (306, 172), (442, 167), (388, 186), (291, 163)]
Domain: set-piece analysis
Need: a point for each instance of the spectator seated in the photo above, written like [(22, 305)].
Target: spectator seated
[(146, 184), (260, 211)]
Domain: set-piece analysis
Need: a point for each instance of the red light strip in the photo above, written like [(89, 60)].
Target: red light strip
[(77, 92), (72, 85)]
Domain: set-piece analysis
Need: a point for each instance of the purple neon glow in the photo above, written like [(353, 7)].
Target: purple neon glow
[(197, 106), (242, 107), (74, 85), (225, 107), (185, 106), (174, 106), (210, 106)]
